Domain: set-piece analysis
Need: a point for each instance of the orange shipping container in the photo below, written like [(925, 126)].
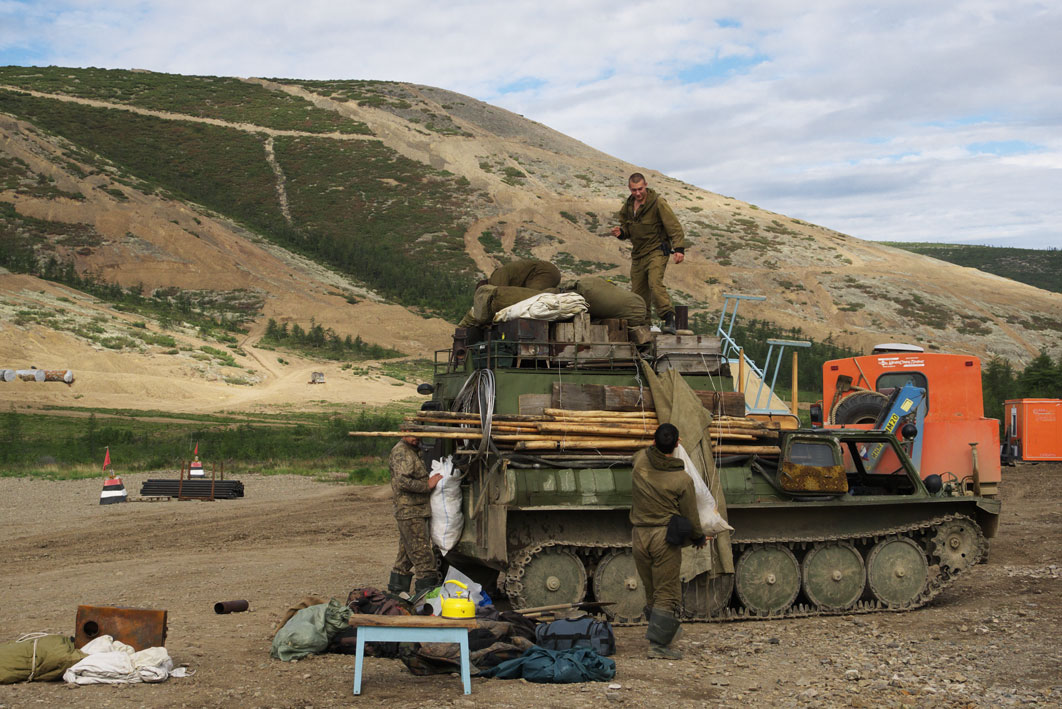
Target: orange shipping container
[(1034, 428)]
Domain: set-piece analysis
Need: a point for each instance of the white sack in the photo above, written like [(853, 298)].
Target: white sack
[(112, 662), (446, 520), (544, 306), (712, 523)]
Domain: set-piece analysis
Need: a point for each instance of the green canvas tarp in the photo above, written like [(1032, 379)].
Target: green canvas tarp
[(676, 404)]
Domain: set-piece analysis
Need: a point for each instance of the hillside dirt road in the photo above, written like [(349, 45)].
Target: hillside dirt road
[(993, 639)]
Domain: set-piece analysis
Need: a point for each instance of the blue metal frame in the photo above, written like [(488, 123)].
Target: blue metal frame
[(375, 633)]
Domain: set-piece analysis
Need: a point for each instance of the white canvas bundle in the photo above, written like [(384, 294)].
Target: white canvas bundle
[(545, 306)]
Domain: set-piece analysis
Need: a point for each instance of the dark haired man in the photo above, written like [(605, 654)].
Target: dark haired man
[(660, 491), (655, 233)]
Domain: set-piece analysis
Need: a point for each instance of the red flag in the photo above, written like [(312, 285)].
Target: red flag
[(106, 459), (196, 448)]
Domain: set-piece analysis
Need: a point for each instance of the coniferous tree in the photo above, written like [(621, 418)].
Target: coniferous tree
[(1039, 378)]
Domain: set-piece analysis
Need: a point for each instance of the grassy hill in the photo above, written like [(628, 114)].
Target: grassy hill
[(154, 225), (1037, 267)]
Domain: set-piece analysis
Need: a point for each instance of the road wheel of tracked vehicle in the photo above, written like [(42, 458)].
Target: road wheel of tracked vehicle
[(616, 580), (550, 577), (897, 572), (861, 407), (957, 544), (834, 576), (767, 579)]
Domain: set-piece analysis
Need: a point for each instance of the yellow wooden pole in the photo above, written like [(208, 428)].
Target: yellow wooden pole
[(741, 370)]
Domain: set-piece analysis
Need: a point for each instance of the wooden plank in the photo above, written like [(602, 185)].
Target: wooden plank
[(702, 344), (582, 328), (358, 620), (533, 404), (569, 395), (624, 398)]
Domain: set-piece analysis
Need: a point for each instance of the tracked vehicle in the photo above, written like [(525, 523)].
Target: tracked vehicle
[(829, 521)]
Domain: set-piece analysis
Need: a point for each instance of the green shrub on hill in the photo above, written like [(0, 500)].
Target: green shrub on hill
[(394, 223), (1037, 267), (220, 97), (222, 168)]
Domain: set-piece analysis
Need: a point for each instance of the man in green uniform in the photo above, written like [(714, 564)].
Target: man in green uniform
[(655, 233), (411, 487), (526, 273), (660, 490)]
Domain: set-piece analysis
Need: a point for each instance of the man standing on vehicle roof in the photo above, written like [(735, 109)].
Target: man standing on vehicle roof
[(411, 487), (663, 507), (655, 233)]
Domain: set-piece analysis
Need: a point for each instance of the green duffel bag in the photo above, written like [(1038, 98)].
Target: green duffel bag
[(37, 658), (606, 300)]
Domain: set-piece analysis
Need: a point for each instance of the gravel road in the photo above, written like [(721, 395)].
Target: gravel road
[(993, 639)]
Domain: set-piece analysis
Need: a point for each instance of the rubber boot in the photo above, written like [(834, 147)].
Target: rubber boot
[(669, 324), (399, 583), (424, 585), (663, 627)]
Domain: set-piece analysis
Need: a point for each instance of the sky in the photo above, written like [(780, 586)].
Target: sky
[(893, 121)]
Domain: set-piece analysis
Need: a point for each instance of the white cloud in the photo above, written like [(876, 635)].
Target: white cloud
[(851, 115)]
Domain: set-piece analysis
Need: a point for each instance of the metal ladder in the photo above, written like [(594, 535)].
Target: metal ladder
[(754, 376)]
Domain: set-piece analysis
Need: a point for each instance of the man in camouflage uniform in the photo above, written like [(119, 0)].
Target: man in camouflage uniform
[(661, 489), (526, 273), (411, 487), (655, 233)]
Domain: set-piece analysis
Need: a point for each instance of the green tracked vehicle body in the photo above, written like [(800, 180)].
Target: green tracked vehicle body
[(814, 532)]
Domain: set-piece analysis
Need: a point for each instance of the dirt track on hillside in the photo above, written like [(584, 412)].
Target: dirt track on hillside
[(993, 639)]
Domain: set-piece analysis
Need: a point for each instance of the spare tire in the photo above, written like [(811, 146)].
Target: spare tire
[(861, 407)]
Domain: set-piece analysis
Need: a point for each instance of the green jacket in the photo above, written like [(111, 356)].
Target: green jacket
[(660, 488), (653, 226), (409, 482)]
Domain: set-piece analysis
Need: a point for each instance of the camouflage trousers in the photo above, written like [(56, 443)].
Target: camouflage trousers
[(414, 548), (659, 566), (647, 280)]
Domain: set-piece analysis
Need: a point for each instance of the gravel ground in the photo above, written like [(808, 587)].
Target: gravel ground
[(992, 639)]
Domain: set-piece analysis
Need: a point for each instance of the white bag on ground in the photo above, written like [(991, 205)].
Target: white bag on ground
[(110, 661), (544, 306), (446, 520), (712, 523)]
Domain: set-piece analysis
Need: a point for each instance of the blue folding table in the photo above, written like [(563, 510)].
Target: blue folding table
[(412, 628)]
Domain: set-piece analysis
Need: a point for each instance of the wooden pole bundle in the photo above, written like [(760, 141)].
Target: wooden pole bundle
[(583, 433)]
